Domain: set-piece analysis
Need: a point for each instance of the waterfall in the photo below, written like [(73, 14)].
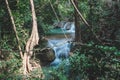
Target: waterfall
[(65, 25), (69, 27), (62, 46)]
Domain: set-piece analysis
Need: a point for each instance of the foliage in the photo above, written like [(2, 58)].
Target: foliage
[(9, 64), (95, 62), (22, 17), (78, 66), (65, 9), (10, 61), (84, 8), (54, 73)]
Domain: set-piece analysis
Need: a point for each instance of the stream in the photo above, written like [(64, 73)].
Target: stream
[(60, 43)]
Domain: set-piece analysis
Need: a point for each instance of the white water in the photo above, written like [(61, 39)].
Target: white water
[(62, 46), (72, 29)]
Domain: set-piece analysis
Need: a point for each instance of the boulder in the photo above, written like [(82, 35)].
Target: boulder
[(46, 56)]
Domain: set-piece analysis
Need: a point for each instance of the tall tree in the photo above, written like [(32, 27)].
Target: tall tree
[(32, 41), (77, 24)]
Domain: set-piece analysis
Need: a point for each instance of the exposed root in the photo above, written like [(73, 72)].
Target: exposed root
[(31, 43)]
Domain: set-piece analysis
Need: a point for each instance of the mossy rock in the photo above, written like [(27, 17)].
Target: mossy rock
[(46, 56)]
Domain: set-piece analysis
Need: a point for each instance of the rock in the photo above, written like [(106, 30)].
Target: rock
[(46, 56)]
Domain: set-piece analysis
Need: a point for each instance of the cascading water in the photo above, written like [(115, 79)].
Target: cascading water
[(62, 46), (61, 49), (69, 27), (72, 29)]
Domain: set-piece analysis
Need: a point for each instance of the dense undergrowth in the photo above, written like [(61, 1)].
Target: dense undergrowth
[(95, 62)]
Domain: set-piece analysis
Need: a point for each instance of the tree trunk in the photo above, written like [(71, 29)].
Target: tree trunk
[(0, 33), (77, 24), (83, 19), (14, 28), (32, 41)]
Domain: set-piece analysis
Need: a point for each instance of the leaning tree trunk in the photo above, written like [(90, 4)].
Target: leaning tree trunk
[(32, 41), (14, 27)]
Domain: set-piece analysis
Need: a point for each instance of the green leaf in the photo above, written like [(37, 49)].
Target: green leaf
[(117, 53)]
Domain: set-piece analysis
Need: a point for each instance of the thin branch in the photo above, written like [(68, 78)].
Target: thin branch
[(14, 28), (54, 11)]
